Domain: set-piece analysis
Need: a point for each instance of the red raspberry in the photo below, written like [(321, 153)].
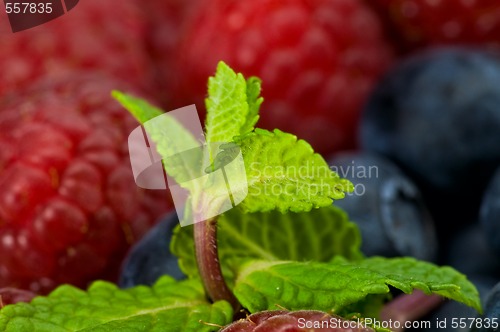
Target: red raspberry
[(69, 207), (165, 19), (443, 22), (318, 61), (295, 321), (97, 35)]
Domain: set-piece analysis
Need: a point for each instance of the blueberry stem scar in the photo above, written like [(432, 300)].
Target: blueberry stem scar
[(205, 239)]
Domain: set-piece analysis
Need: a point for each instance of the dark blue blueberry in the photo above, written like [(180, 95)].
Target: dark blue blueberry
[(490, 213), (386, 206), (469, 253), (437, 115), (491, 312), (452, 309), (151, 258)]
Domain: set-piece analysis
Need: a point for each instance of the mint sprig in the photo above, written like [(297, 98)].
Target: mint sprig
[(232, 110), (282, 172)]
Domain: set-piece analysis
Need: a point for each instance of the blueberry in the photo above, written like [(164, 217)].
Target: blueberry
[(470, 254), (151, 258), (490, 213), (437, 115), (441, 319), (386, 206), (449, 310), (491, 312)]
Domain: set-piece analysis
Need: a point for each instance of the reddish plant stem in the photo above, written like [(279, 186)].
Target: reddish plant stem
[(205, 239), (410, 307)]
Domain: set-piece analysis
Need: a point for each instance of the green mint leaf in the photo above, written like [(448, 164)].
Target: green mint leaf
[(285, 174), (139, 108), (318, 235), (254, 101), (370, 306), (232, 104), (171, 137), (167, 306), (339, 284)]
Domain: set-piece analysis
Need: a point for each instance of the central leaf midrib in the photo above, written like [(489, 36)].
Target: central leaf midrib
[(284, 179)]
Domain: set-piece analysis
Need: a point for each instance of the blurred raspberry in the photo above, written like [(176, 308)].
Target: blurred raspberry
[(318, 61), (165, 22), (69, 207), (443, 22), (97, 35)]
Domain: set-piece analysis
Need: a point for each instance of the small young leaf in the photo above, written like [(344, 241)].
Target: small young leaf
[(285, 174), (167, 306), (254, 101), (318, 235), (139, 108), (232, 104), (339, 284), (171, 137)]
